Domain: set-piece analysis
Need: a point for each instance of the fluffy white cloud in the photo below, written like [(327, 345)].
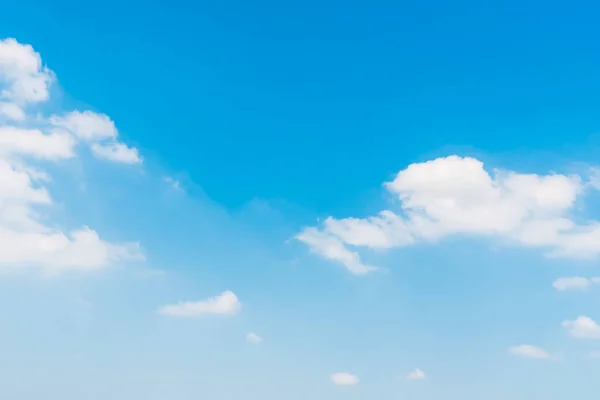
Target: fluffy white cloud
[(22, 75), (86, 125), (344, 379), (528, 351), (26, 237), (458, 196), (416, 375), (253, 338), (583, 328), (100, 131), (226, 303), (573, 283)]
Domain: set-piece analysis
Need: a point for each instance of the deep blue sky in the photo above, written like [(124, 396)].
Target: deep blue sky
[(281, 96)]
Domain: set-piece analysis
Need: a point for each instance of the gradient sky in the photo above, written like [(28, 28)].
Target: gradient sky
[(299, 200)]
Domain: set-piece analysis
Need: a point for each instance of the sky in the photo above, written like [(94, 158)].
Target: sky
[(302, 200)]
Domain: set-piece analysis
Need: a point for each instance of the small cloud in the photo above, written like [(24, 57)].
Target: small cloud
[(416, 375), (583, 328), (253, 338), (528, 351), (595, 355), (344, 379), (572, 283), (226, 303)]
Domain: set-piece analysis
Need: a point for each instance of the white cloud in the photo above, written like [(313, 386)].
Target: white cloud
[(457, 196), (22, 75), (226, 303), (380, 232), (27, 238), (100, 131), (12, 111), (583, 328), (34, 143), (528, 351), (81, 249), (117, 152), (86, 125), (595, 355), (573, 283), (415, 375), (333, 248), (252, 337), (344, 379)]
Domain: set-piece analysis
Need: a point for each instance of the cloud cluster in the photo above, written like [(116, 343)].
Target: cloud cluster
[(458, 196), (455, 195), (28, 142)]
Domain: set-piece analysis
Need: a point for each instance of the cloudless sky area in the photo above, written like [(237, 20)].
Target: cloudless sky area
[(258, 120)]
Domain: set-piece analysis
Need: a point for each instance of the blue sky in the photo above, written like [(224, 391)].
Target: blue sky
[(325, 200)]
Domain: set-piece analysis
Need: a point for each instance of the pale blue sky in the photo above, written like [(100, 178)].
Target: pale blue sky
[(250, 147)]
